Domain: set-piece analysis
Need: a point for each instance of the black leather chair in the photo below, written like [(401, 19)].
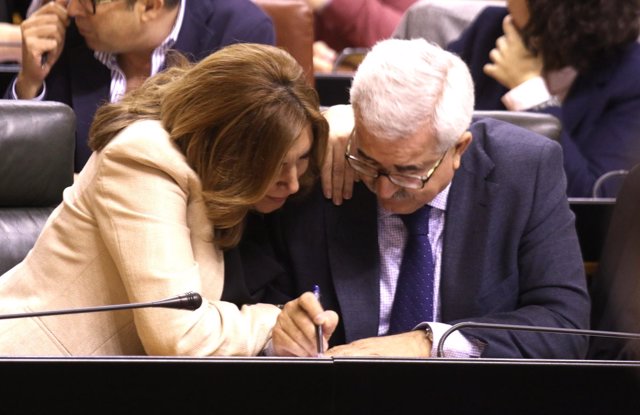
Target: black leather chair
[(543, 124), (37, 142)]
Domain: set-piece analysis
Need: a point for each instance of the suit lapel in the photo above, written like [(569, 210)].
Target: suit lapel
[(352, 239), (467, 227)]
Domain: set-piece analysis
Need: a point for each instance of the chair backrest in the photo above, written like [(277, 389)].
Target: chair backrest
[(543, 124), (440, 21), (293, 22), (615, 290), (37, 142)]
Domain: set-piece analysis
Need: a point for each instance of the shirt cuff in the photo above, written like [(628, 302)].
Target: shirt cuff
[(527, 95), (457, 346), (39, 97)]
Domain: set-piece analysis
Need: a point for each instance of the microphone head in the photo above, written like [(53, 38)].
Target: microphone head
[(192, 300), (187, 301)]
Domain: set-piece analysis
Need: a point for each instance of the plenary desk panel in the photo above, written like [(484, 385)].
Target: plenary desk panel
[(445, 386), (317, 386), (165, 386)]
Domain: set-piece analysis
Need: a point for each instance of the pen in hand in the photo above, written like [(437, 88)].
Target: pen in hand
[(319, 335)]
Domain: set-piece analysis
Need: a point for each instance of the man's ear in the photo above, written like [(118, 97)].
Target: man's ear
[(152, 8), (460, 147)]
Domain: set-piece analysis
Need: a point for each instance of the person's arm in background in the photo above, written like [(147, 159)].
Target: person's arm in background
[(324, 57), (43, 32), (10, 41)]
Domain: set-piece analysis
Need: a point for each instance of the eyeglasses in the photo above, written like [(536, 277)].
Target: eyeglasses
[(408, 181), (90, 5)]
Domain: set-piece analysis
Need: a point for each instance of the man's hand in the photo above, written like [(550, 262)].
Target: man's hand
[(323, 57), (43, 32), (410, 344), (513, 63), (295, 331), (337, 176)]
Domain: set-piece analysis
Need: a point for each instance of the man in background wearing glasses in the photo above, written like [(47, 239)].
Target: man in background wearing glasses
[(87, 52), (503, 247)]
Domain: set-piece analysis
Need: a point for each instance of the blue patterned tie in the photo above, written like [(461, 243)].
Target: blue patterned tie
[(413, 302)]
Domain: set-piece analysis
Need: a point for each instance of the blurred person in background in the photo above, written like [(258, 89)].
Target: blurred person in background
[(352, 23), (575, 59), (87, 52)]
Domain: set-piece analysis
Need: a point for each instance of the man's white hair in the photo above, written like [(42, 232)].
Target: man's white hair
[(406, 85)]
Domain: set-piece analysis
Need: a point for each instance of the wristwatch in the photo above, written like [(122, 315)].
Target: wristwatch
[(554, 101), (429, 334)]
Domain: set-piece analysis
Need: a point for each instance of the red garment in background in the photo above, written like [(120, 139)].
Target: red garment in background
[(359, 23)]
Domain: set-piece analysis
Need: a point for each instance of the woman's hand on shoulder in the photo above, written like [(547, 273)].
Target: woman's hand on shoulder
[(337, 176)]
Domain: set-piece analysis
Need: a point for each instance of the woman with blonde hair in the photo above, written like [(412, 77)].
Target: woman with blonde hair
[(177, 164)]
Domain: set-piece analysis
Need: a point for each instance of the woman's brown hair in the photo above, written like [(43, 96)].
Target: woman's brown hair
[(581, 33), (234, 115)]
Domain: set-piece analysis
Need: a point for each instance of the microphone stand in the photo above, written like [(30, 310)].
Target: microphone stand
[(539, 329), (187, 301)]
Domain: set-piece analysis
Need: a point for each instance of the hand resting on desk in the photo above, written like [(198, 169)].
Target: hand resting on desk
[(409, 344)]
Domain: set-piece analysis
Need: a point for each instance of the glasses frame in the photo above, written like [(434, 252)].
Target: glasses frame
[(391, 176)]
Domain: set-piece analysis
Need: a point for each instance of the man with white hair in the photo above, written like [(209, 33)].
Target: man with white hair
[(451, 222)]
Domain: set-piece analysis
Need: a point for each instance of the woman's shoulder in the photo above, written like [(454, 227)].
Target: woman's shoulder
[(619, 73), (146, 143), (144, 140)]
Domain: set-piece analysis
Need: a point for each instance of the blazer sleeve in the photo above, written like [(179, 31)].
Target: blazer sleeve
[(549, 277), (142, 210)]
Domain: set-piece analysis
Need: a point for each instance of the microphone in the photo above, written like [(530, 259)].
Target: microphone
[(188, 301), (538, 329)]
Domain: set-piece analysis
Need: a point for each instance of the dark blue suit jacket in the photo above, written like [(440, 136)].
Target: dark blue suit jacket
[(79, 80), (510, 250), (600, 115)]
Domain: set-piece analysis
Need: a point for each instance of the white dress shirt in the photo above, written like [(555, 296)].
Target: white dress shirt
[(392, 238)]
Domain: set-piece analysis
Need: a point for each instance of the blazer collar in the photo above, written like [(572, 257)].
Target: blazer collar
[(466, 225), (352, 239)]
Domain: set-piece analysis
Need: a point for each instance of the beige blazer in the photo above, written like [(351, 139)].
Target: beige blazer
[(132, 228)]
